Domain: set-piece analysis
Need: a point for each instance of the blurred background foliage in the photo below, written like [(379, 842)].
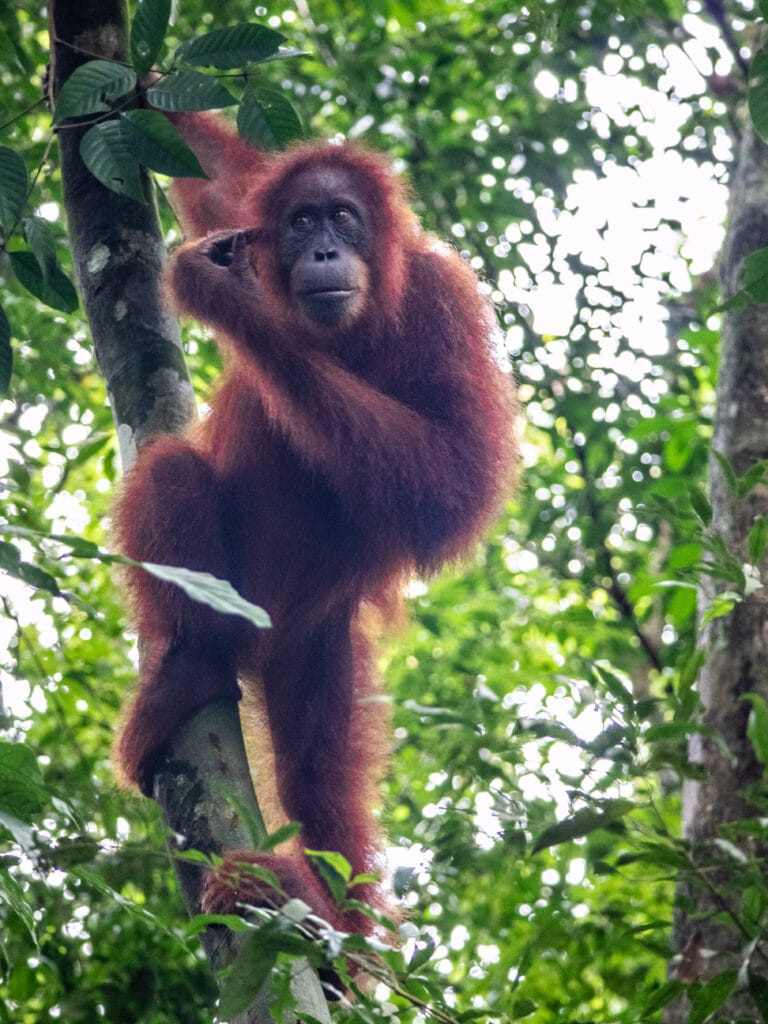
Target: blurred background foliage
[(579, 155)]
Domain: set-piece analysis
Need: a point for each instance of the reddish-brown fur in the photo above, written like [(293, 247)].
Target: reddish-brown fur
[(330, 467)]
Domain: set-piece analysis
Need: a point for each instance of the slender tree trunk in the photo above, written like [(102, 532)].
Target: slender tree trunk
[(118, 254), (709, 934)]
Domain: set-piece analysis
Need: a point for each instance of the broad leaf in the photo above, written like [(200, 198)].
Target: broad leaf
[(22, 794), (758, 539), (711, 996), (216, 593), (249, 972), (583, 822), (232, 47), (40, 240), (615, 683), (755, 273), (157, 144), (150, 23), (754, 279), (37, 578), (267, 119), (13, 897), (95, 881), (9, 556), (58, 291), (107, 153), (339, 863), (662, 996), (189, 91), (255, 960), (757, 725), (722, 604), (93, 87), (700, 503), (13, 187)]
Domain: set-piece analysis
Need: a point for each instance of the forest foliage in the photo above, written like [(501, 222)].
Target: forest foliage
[(543, 693)]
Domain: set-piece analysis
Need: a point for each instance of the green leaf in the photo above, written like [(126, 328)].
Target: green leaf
[(722, 604), (80, 547), (614, 682), (683, 556), (57, 292), (12, 51), (9, 557), (757, 725), (758, 989), (158, 145), (608, 742), (727, 470), (758, 539), (22, 794), (678, 449), (583, 822), (200, 922), (753, 903), (6, 353), (339, 863), (674, 730), (754, 278), (755, 275), (150, 23), (95, 881), (267, 119), (21, 832), (711, 996), (286, 53), (253, 964), (548, 728), (93, 88), (700, 504), (754, 476), (107, 153), (523, 1008), (422, 955), (282, 835), (663, 995), (14, 186), (12, 895), (758, 93), (37, 578), (38, 236), (83, 548), (231, 47), (216, 593), (335, 870), (441, 716), (189, 91), (675, 585)]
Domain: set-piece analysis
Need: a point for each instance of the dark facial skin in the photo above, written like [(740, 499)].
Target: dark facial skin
[(323, 246)]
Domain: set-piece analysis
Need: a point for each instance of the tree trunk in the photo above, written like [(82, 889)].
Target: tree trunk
[(709, 935), (118, 254)]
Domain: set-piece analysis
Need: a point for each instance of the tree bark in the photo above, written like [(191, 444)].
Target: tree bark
[(118, 251), (118, 255), (709, 935)]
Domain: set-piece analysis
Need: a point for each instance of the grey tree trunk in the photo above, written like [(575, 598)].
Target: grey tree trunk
[(118, 254), (710, 934)]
